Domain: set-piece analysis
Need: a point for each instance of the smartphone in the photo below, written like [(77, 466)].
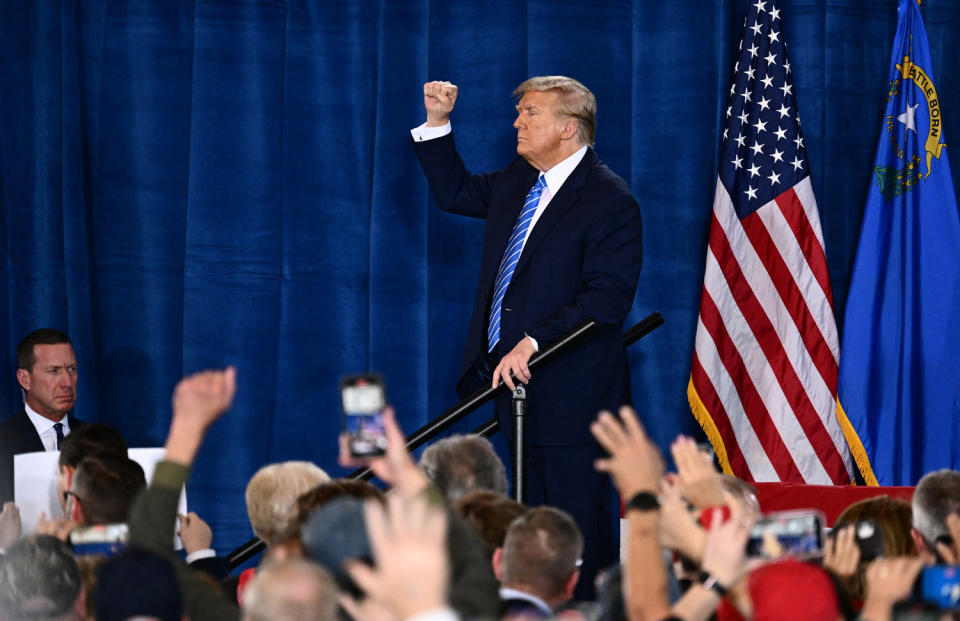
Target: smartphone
[(363, 398), (798, 534), (104, 539), (869, 538), (940, 585)]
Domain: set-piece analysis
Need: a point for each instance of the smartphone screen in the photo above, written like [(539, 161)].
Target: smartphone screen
[(940, 585), (797, 534), (104, 539), (363, 398)]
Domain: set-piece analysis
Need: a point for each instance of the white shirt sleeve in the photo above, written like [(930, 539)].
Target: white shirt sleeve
[(199, 554), (423, 133), (437, 614)]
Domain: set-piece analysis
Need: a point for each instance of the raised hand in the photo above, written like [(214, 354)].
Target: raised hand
[(679, 530), (439, 99), (888, 581), (634, 463), (724, 555), (396, 467), (950, 553), (202, 397), (194, 533), (198, 401), (10, 526), (841, 555), (699, 482), (411, 571), (60, 528)]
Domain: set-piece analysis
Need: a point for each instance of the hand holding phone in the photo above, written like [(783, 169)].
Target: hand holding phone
[(798, 534), (363, 398), (395, 466)]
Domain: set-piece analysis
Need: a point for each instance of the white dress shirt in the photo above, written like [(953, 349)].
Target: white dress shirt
[(508, 593), (44, 427)]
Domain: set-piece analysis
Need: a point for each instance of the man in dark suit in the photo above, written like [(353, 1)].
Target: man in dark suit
[(562, 245), (47, 373), (538, 565)]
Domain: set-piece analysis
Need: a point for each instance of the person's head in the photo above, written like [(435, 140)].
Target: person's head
[(83, 441), (461, 464), (541, 555), (47, 372), (490, 514), (556, 115), (937, 495), (137, 584), (892, 518), (314, 498), (39, 581), (103, 489), (272, 498), (331, 490), (294, 590)]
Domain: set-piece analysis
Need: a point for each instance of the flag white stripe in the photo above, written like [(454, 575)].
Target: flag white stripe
[(792, 255), (763, 377), (816, 388), (747, 441)]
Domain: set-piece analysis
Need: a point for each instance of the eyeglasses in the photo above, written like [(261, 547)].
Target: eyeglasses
[(66, 497)]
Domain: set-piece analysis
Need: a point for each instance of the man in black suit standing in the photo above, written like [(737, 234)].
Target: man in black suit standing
[(562, 244), (47, 373)]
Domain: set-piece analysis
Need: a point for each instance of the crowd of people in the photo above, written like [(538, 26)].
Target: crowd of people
[(445, 542)]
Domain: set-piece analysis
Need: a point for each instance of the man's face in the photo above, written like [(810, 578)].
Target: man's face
[(539, 129), (51, 386), (64, 478)]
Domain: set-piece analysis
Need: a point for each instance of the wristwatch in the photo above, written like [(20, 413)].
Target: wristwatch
[(709, 581), (643, 501)]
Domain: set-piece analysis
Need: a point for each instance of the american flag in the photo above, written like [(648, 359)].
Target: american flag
[(764, 379)]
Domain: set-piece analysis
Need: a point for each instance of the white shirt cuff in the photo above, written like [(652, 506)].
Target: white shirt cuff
[(199, 554), (424, 133), (536, 345), (437, 614)]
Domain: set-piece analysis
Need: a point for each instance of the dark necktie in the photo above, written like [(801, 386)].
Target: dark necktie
[(510, 258), (58, 427)]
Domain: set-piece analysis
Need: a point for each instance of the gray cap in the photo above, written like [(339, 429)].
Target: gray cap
[(335, 533)]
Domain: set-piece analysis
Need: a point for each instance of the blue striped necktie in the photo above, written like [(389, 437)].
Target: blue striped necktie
[(510, 258)]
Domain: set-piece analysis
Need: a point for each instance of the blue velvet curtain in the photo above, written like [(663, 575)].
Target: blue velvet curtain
[(187, 184)]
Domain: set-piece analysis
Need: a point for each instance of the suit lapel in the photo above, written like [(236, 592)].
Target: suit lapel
[(29, 440), (558, 206)]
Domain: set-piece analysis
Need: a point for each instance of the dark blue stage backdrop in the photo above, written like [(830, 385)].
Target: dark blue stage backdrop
[(189, 184)]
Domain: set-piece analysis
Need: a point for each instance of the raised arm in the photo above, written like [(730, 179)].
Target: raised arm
[(198, 401)]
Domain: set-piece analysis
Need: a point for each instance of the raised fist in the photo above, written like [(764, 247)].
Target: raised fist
[(439, 99)]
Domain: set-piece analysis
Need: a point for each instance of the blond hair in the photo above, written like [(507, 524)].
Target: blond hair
[(575, 101), (272, 498)]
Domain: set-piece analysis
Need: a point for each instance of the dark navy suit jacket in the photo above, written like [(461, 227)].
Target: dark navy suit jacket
[(581, 260), (18, 435)]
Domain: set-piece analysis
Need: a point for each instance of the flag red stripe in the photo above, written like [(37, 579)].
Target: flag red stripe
[(753, 405), (708, 396), (796, 217), (769, 341), (794, 302)]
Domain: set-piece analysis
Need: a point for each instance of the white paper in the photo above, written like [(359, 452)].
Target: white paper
[(35, 487), (35, 484)]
